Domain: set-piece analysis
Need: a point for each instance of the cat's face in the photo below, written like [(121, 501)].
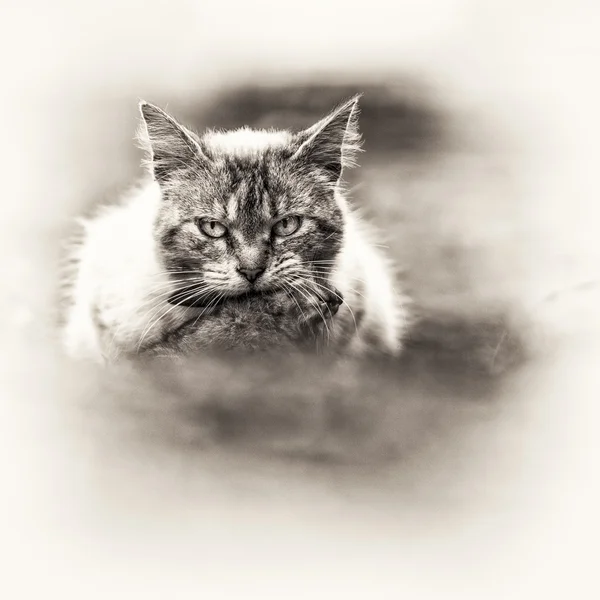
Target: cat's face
[(249, 211)]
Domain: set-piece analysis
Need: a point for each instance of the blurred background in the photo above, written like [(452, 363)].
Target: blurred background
[(480, 121)]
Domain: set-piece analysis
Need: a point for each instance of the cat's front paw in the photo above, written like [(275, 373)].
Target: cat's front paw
[(325, 306)]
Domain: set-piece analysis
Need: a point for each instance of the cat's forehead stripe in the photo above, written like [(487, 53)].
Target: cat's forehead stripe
[(260, 188), (249, 201), (232, 208)]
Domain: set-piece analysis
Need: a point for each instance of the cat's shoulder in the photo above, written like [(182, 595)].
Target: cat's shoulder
[(135, 206), (111, 238), (115, 232), (107, 264)]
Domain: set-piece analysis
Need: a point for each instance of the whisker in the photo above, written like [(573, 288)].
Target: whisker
[(162, 316), (304, 285), (349, 288), (155, 296), (309, 271), (296, 289), (331, 235), (213, 303), (173, 285), (291, 295), (171, 290), (343, 302)]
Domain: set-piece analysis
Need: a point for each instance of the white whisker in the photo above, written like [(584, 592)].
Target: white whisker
[(302, 286), (191, 294)]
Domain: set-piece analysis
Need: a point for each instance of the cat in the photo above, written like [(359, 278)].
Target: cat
[(237, 236)]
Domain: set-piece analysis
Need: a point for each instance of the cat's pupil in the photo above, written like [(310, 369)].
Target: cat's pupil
[(212, 224), (284, 223)]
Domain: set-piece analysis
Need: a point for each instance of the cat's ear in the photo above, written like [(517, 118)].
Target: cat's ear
[(170, 146), (333, 142)]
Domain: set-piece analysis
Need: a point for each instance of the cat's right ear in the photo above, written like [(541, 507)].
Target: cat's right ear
[(333, 142), (170, 146)]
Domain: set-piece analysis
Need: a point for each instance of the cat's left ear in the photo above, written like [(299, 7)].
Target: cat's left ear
[(170, 146), (333, 142)]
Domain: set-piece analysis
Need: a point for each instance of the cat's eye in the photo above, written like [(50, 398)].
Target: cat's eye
[(212, 229), (287, 226)]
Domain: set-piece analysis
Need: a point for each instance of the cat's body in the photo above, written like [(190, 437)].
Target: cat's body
[(256, 225)]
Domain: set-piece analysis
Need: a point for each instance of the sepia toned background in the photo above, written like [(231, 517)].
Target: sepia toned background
[(480, 123)]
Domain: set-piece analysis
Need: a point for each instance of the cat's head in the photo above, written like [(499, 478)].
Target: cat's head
[(249, 211)]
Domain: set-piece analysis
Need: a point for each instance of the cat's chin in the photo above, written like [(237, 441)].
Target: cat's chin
[(187, 298)]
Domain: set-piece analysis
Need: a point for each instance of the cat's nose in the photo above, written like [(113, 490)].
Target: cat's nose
[(251, 274)]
